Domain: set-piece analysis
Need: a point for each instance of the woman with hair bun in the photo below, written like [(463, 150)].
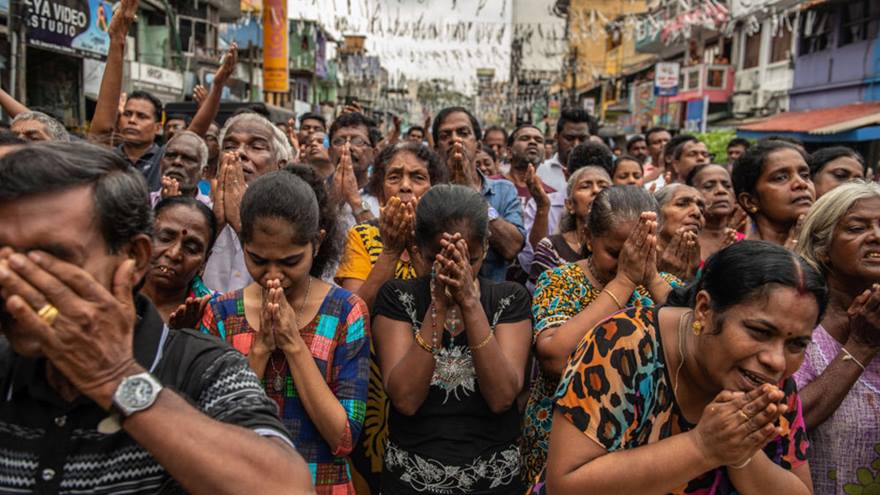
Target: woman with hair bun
[(695, 397), (453, 350), (620, 271), (307, 340)]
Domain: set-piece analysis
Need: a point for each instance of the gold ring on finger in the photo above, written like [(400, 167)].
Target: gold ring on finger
[(744, 415), (48, 313)]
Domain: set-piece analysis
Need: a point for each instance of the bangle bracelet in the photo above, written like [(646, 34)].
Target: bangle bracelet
[(741, 465), (421, 341), (612, 296), (483, 343), (850, 357)]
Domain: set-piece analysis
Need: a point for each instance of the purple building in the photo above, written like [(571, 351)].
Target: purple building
[(838, 55)]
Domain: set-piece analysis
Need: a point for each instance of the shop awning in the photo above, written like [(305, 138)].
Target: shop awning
[(855, 122)]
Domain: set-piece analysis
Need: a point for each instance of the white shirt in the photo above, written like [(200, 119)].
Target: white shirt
[(552, 172), (225, 270)]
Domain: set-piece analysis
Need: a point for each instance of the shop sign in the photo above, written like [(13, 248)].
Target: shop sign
[(69, 25), (157, 76), (666, 76), (276, 75)]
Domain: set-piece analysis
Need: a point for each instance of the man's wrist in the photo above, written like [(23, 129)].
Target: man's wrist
[(103, 394)]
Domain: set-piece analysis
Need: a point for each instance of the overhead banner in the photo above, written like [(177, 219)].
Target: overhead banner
[(666, 75), (276, 76), (69, 25)]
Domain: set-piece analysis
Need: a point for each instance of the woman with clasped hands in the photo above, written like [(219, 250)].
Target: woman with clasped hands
[(695, 397)]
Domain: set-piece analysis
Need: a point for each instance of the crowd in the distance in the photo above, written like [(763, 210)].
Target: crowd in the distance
[(296, 307)]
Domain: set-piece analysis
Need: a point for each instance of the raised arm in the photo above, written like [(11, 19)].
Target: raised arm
[(396, 223), (107, 106), (10, 105), (208, 109), (824, 394), (507, 230)]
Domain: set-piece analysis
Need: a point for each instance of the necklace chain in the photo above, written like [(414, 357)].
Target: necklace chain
[(681, 339), (592, 270), (278, 383)]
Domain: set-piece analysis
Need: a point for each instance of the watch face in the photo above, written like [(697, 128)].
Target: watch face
[(137, 393)]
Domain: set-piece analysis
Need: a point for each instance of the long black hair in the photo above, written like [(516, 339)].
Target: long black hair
[(446, 204), (747, 169), (748, 269), (296, 195)]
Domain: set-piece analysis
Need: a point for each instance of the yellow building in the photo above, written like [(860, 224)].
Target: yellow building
[(602, 39)]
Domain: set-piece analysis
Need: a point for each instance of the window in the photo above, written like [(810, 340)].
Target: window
[(753, 51), (780, 45), (815, 29), (859, 21)]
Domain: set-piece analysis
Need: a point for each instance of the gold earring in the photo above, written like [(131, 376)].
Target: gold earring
[(753, 209), (697, 327)]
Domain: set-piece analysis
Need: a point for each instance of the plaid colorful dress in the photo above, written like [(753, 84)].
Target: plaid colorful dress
[(339, 340)]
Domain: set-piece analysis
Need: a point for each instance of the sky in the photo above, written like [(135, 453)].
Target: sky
[(423, 39)]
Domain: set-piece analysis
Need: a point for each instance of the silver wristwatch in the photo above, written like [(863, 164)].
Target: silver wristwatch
[(136, 393)]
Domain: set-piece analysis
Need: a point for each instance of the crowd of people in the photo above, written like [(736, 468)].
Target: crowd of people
[(308, 306)]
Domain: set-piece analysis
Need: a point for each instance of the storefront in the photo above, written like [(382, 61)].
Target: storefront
[(60, 35)]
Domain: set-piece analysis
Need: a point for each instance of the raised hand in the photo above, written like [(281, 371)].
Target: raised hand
[(188, 314), (170, 187), (396, 223), (218, 191), (459, 168), (729, 238), (264, 338), (344, 180), (736, 425), (536, 188), (636, 263), (86, 308), (739, 220), (233, 189), (227, 65), (864, 320), (287, 336), (123, 17), (199, 94), (455, 272), (682, 256)]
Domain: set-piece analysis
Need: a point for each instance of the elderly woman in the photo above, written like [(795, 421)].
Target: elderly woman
[(721, 213), (839, 382), (568, 245), (681, 222), (835, 165), (453, 349), (251, 147), (183, 234), (773, 185), (379, 251), (695, 397), (620, 272)]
